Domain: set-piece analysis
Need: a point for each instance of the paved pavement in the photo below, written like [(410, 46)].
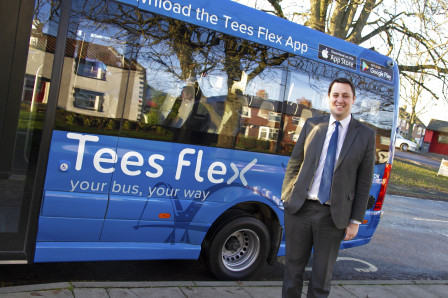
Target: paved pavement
[(199, 289)]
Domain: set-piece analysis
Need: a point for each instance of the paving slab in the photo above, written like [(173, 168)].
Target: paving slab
[(437, 290), (221, 292), (340, 292), (265, 292), (267, 283), (409, 291), (159, 292), (120, 293), (38, 287), (371, 291), (165, 292), (61, 293), (90, 292)]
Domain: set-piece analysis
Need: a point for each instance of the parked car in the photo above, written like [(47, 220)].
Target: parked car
[(405, 144)]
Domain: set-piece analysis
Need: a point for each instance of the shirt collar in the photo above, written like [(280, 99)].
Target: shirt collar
[(344, 122)]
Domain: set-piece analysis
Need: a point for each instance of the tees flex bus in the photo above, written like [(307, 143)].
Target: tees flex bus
[(161, 129)]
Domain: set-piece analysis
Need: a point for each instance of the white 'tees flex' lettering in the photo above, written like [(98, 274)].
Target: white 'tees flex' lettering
[(82, 145), (105, 159)]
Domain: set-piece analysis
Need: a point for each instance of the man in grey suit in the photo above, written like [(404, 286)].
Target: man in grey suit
[(325, 190)]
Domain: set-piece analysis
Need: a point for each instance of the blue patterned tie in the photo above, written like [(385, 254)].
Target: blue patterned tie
[(327, 174)]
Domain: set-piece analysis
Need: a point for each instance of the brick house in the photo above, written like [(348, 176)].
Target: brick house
[(436, 137)]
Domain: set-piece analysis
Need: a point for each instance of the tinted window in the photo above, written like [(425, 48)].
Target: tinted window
[(306, 96), (173, 81), (100, 83)]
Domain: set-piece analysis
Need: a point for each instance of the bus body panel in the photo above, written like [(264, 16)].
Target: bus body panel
[(137, 208), (113, 251)]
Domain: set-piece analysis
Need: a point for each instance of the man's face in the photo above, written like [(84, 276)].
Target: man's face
[(341, 100)]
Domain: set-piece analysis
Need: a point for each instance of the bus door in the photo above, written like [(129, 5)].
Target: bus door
[(24, 89), (91, 101)]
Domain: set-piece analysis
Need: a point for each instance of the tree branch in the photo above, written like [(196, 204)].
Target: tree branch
[(277, 7)]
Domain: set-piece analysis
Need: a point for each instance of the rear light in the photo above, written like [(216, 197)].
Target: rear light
[(379, 202)]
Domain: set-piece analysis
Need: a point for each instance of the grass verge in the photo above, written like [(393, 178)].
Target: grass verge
[(409, 179)]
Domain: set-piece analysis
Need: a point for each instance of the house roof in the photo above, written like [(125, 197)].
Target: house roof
[(85, 50), (438, 125)]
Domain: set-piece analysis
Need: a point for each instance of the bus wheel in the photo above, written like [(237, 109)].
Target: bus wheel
[(238, 249)]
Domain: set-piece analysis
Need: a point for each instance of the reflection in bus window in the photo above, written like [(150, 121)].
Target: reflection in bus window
[(91, 69), (237, 82), (102, 83), (307, 97), (88, 100)]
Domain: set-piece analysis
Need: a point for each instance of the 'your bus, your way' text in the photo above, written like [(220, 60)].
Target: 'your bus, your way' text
[(153, 192)]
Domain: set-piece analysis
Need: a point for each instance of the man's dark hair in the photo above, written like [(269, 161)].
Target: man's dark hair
[(343, 81)]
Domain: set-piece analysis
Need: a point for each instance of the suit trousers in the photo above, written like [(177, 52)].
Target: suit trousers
[(310, 229)]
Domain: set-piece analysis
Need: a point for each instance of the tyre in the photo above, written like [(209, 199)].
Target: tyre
[(238, 248), (404, 147)]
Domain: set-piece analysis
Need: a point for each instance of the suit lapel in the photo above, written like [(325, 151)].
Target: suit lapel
[(349, 138)]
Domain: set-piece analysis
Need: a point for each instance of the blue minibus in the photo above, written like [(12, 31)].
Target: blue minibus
[(161, 129)]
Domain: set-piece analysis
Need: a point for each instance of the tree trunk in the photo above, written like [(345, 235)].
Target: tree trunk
[(318, 16)]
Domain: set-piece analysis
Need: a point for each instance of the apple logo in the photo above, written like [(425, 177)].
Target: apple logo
[(325, 53)]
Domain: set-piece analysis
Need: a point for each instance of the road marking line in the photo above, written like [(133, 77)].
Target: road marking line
[(446, 235), (371, 267), (428, 219)]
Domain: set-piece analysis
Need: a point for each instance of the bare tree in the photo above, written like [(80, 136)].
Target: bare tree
[(413, 91)]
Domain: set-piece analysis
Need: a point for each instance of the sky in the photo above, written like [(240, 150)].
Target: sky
[(436, 109)]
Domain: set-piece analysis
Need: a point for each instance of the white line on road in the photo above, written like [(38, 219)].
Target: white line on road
[(428, 219), (370, 267)]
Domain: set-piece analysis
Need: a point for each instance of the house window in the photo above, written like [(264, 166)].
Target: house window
[(88, 100), (295, 120), (268, 133), (246, 112), (91, 69), (273, 116), (443, 139)]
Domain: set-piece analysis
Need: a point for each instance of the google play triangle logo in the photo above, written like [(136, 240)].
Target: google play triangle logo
[(364, 66)]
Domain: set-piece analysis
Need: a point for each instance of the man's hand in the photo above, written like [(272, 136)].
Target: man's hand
[(351, 231)]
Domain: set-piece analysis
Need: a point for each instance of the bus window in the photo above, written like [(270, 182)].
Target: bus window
[(306, 97), (98, 65), (234, 102)]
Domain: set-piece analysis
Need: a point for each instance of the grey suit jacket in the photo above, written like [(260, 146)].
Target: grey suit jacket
[(353, 173)]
